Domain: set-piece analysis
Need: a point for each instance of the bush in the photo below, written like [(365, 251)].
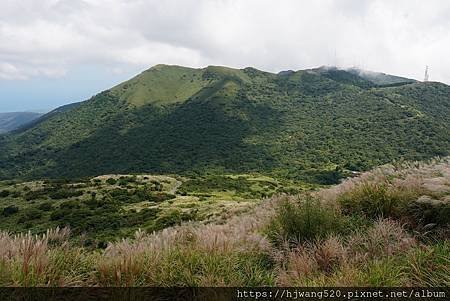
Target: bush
[(111, 181), (10, 210), (326, 177), (30, 214), (34, 194), (70, 205), (47, 206), (58, 214), (65, 193), (4, 193), (120, 194), (124, 181), (304, 220), (161, 197), (170, 218)]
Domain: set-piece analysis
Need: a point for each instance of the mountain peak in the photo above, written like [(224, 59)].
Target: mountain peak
[(165, 84), (178, 119)]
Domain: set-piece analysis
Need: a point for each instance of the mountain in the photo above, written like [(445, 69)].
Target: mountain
[(14, 120), (363, 78), (379, 78), (306, 124)]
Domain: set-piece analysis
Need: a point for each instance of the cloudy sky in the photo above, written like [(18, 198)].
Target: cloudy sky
[(59, 51)]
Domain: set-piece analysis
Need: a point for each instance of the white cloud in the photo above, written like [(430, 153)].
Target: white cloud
[(8, 71), (50, 37)]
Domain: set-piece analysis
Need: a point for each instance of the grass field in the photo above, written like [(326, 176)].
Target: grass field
[(388, 227)]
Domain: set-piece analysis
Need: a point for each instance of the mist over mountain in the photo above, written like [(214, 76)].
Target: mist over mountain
[(13, 120), (302, 124)]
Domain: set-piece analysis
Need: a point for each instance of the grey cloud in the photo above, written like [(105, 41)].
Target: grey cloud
[(49, 37)]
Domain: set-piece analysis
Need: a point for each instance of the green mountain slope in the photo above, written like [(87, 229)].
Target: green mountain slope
[(172, 119)]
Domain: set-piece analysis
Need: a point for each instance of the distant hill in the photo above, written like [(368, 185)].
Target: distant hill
[(306, 124), (14, 120)]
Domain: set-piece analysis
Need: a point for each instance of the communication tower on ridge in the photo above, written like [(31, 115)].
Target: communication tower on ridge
[(426, 75)]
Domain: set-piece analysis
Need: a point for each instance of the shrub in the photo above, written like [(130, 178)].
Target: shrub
[(161, 197), (47, 206), (120, 194), (58, 214), (65, 193), (111, 181), (34, 194), (304, 220), (4, 193), (30, 214), (70, 205), (326, 177), (10, 210), (124, 181), (169, 218)]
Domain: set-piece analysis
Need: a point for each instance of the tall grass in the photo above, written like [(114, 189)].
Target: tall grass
[(343, 261), (368, 231), (414, 193), (303, 219)]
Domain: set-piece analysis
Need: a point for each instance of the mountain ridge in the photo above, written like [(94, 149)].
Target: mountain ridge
[(172, 119)]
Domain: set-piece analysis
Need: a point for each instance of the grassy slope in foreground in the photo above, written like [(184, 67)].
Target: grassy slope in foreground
[(353, 235)]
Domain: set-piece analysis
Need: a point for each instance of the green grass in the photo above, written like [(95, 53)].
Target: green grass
[(162, 84), (190, 267), (303, 240), (305, 220), (375, 201), (402, 197)]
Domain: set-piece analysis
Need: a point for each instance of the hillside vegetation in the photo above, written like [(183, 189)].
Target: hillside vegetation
[(388, 227), (311, 125), (111, 207)]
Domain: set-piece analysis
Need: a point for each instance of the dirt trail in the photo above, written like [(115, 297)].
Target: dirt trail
[(177, 185)]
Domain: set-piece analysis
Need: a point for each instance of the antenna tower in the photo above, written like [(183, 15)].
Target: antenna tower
[(426, 75)]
